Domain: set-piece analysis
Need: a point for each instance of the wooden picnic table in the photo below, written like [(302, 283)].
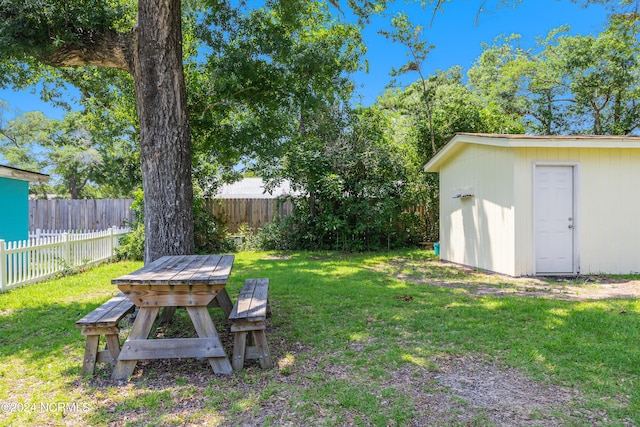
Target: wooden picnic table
[(190, 281)]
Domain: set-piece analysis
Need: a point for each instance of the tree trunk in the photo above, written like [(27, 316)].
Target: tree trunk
[(73, 187), (165, 142)]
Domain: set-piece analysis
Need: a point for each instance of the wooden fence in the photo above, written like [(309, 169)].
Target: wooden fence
[(103, 214), (89, 214), (255, 213)]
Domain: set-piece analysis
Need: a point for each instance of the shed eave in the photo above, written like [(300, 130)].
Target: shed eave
[(22, 175), (534, 141)]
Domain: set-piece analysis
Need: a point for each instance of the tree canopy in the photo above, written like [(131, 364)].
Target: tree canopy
[(203, 85)]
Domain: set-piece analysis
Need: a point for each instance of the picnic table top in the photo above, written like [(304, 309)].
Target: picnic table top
[(181, 270)]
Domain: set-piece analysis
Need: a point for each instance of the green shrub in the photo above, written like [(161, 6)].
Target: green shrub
[(210, 233), (132, 245), (277, 236), (249, 238)]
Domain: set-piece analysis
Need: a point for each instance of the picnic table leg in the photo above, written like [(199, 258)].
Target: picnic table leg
[(260, 341), (225, 302), (90, 354), (239, 349), (139, 331), (205, 328), (113, 345)]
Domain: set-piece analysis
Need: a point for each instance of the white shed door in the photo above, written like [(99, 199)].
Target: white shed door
[(554, 219)]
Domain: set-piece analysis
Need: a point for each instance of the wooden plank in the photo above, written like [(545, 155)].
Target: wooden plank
[(113, 346), (100, 330), (146, 273), (252, 352), (239, 345), (252, 301), (213, 269), (171, 296), (205, 329), (90, 354), (223, 300), (223, 270), (202, 322), (104, 357), (258, 309), (108, 313), (210, 264), (260, 340), (163, 275), (140, 331), (190, 272), (244, 300), (172, 348), (116, 314), (247, 326)]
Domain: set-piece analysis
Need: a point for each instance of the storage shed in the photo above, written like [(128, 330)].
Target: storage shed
[(14, 205), (540, 205)]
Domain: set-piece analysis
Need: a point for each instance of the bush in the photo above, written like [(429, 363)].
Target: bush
[(249, 237), (356, 186), (210, 233), (132, 245), (276, 236)]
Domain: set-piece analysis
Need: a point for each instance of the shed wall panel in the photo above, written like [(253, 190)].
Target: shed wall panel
[(478, 231), (607, 207), (14, 214)]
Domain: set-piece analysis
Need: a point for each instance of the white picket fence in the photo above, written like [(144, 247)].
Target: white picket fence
[(51, 252)]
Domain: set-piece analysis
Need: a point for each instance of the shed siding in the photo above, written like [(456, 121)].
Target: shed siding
[(14, 217), (607, 202), (479, 230)]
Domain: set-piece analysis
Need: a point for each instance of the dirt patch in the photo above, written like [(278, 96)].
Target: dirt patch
[(471, 391), (276, 257), (452, 390), (470, 281)]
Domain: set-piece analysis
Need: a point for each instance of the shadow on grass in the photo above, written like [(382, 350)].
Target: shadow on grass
[(346, 312), (43, 330)]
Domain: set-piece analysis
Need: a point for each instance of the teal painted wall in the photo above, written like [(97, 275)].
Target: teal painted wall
[(14, 209)]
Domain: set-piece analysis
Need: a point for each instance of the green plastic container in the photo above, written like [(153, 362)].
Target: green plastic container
[(436, 248)]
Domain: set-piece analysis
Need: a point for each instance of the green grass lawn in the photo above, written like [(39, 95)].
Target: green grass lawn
[(367, 339)]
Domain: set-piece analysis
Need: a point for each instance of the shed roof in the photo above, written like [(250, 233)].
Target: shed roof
[(459, 140), (22, 175)]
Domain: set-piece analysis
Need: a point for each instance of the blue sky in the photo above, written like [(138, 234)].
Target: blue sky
[(458, 39), (454, 33)]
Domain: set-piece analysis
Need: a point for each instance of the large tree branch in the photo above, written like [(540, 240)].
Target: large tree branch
[(110, 50)]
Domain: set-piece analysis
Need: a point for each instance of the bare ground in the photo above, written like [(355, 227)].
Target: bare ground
[(452, 390), (472, 281)]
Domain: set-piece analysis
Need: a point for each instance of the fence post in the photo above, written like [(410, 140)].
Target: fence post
[(112, 243), (66, 249), (3, 265)]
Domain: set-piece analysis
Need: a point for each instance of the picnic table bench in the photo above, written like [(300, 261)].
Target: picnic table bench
[(249, 314), (104, 321), (194, 282)]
